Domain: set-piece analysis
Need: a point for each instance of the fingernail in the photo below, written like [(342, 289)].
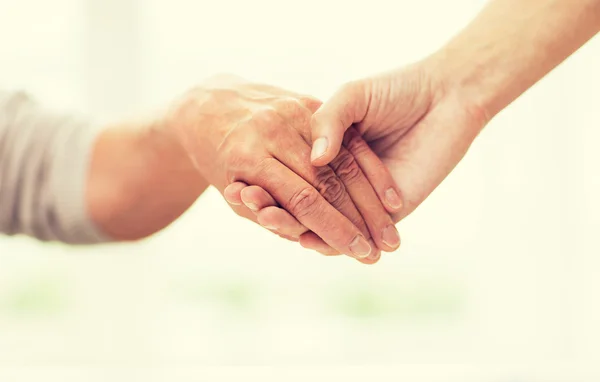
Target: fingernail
[(390, 236), (319, 148), (360, 247), (374, 255), (270, 227), (393, 199), (252, 206)]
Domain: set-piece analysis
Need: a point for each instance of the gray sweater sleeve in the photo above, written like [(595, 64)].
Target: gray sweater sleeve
[(44, 160)]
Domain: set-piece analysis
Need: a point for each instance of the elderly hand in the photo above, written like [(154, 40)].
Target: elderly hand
[(235, 131), (415, 120)]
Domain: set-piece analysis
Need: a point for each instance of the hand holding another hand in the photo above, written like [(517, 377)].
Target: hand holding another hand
[(415, 120), (237, 133)]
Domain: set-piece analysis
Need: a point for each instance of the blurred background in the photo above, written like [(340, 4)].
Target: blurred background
[(497, 277)]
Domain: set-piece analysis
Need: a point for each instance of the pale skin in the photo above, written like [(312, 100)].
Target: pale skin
[(421, 120), (144, 175)]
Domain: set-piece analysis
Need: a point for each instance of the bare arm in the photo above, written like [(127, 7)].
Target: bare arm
[(511, 45), (65, 182), (140, 181), (62, 179), (422, 119)]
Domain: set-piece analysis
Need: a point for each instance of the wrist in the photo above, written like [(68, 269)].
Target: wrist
[(140, 181), (453, 84), (464, 78)]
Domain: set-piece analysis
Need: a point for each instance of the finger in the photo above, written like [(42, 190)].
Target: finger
[(310, 208), (354, 182), (244, 212), (378, 221), (372, 259), (310, 240), (278, 219), (270, 215), (256, 198), (290, 238), (274, 218), (232, 193), (292, 150), (299, 109), (347, 106), (375, 170)]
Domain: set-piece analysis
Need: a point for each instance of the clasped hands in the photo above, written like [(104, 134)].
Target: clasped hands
[(334, 177), (253, 143)]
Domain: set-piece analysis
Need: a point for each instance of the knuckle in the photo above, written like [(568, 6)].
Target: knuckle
[(268, 123), (240, 159), (331, 187), (346, 168), (355, 143), (311, 103), (304, 202), (262, 168), (266, 116), (244, 146), (249, 168), (302, 117), (294, 109), (288, 104), (238, 154)]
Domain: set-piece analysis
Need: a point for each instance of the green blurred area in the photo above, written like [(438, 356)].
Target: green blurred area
[(398, 302), (239, 295), (34, 297), (419, 300), (352, 298)]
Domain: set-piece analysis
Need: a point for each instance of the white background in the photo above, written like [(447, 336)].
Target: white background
[(498, 271)]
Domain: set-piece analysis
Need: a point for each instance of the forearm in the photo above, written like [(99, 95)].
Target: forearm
[(511, 45), (140, 180), (63, 180)]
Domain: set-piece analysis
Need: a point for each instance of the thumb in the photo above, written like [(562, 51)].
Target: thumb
[(347, 106)]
